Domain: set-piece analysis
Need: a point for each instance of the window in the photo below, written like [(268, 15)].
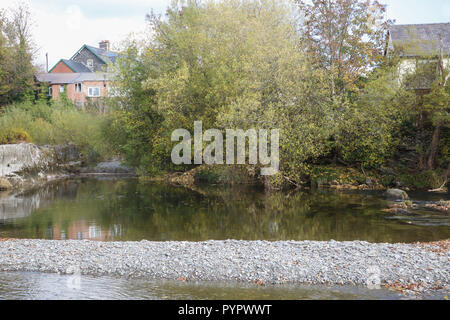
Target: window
[(78, 87), (50, 91), (61, 89), (90, 63), (94, 91)]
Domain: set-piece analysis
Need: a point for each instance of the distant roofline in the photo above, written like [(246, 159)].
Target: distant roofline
[(427, 33)]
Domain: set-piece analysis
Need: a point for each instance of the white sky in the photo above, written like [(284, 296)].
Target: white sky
[(62, 27)]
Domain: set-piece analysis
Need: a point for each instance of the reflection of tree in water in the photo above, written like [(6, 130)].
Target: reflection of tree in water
[(129, 210), (164, 212)]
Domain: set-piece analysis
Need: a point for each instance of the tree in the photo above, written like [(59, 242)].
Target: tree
[(429, 79), (437, 105), (16, 55), (369, 131), (346, 37), (230, 64)]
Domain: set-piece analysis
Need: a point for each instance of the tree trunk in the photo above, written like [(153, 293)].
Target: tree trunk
[(434, 147)]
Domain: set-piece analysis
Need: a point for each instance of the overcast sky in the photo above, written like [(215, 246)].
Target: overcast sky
[(63, 26)]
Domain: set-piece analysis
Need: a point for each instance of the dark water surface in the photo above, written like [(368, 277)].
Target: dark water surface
[(126, 209)]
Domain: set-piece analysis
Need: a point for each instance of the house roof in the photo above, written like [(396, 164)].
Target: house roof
[(108, 56), (412, 40), (72, 65), (67, 78), (105, 56)]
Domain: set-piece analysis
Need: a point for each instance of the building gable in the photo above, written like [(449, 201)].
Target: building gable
[(90, 60), (61, 67), (67, 66)]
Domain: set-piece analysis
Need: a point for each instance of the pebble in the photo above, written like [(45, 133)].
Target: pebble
[(304, 262)]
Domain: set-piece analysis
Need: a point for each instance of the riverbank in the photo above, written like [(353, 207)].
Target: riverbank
[(410, 268)]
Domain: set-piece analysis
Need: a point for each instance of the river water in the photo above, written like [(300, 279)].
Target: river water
[(112, 209)]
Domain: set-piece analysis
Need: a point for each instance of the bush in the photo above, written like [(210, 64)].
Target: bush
[(430, 179), (56, 123), (14, 136)]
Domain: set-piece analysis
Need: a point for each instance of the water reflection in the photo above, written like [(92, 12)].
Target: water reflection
[(43, 286), (125, 209)]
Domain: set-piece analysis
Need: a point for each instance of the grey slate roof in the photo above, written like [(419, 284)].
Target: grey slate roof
[(76, 66), (66, 78), (419, 39), (107, 56)]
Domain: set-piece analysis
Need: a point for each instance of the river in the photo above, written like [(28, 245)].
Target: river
[(113, 209)]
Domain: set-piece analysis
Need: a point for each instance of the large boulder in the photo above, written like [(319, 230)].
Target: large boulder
[(397, 194)]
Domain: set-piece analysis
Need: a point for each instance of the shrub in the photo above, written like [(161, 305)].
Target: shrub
[(15, 136), (58, 122)]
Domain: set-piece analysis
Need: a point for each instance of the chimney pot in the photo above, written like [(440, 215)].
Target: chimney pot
[(104, 45)]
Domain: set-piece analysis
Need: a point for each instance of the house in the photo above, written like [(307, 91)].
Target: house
[(84, 77), (420, 43)]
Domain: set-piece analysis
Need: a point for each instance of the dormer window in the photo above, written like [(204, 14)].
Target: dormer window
[(90, 63)]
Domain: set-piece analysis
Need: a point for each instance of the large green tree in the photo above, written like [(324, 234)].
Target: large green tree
[(16, 55), (230, 64)]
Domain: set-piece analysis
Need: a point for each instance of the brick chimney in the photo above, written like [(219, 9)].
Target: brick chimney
[(104, 45)]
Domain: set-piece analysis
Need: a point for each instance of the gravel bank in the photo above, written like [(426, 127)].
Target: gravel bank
[(414, 267)]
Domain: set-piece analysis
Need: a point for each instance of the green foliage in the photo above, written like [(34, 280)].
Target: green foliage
[(424, 180), (325, 175), (14, 136), (206, 176), (229, 64), (369, 127), (16, 55), (249, 64), (56, 123)]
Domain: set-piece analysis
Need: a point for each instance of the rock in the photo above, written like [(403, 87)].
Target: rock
[(396, 194), (110, 167), (443, 206), (398, 208), (16, 158), (4, 184), (66, 153)]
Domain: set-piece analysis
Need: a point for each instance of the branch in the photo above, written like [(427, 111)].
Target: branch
[(440, 189)]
